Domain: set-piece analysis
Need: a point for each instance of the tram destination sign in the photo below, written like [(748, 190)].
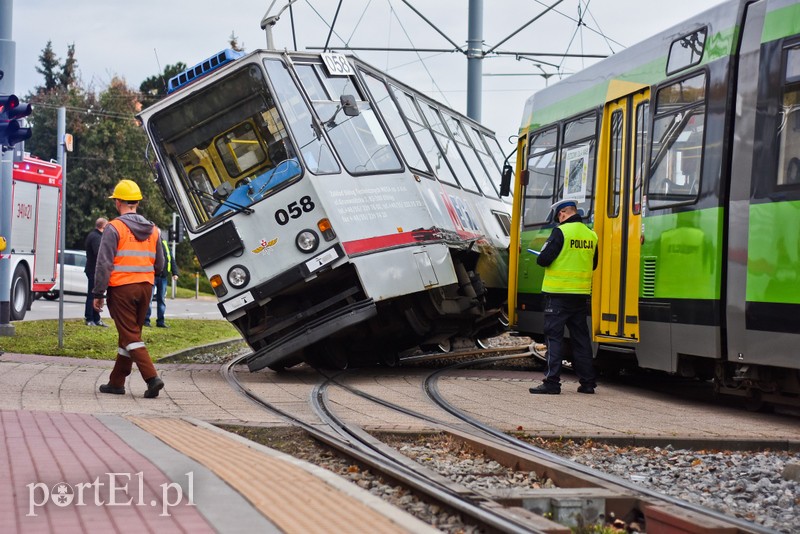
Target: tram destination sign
[(337, 64)]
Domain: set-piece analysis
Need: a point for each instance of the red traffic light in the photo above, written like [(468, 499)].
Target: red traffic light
[(11, 131), (8, 102)]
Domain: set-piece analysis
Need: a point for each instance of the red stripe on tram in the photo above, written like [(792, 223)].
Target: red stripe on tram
[(371, 244)]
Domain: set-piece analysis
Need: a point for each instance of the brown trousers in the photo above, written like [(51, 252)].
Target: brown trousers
[(128, 305)]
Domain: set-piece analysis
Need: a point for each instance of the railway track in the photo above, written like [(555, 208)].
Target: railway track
[(598, 495)]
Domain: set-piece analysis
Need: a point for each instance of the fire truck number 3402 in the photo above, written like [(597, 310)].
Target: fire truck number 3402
[(294, 210)]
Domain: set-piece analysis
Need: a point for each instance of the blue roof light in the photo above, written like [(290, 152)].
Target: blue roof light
[(201, 69)]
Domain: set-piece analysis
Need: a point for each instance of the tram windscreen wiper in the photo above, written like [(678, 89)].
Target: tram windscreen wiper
[(222, 201)]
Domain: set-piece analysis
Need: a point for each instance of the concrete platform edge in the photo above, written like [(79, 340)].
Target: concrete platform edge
[(215, 499)]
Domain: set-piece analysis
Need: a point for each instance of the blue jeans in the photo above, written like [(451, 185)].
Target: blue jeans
[(160, 292), (568, 311)]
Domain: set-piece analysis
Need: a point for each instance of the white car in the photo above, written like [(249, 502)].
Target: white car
[(75, 281)]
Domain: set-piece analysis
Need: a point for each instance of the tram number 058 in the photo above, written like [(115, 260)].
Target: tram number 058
[(294, 210)]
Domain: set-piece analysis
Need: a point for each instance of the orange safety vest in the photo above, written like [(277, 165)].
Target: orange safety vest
[(134, 261)]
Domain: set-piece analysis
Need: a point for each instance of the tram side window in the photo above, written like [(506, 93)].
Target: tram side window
[(789, 126), (316, 153), (686, 51), (676, 156), (437, 161), (473, 161), (360, 141), (576, 177), (541, 177), (449, 148), (483, 152), (397, 127), (615, 164), (640, 154), (497, 153)]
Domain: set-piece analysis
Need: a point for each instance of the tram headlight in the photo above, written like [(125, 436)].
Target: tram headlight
[(238, 276), (307, 241)]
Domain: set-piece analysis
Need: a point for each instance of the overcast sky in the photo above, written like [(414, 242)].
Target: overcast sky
[(135, 40)]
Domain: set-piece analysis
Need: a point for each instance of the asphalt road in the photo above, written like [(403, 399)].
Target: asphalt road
[(200, 308)]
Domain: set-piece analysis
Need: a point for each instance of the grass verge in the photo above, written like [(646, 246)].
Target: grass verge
[(81, 341)]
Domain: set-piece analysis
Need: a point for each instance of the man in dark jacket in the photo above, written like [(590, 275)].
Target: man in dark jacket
[(170, 272), (92, 245), (568, 256)]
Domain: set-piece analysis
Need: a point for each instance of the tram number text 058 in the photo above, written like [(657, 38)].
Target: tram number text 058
[(294, 210), (337, 65)]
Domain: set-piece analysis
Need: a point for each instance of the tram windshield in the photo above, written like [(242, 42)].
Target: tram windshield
[(228, 146)]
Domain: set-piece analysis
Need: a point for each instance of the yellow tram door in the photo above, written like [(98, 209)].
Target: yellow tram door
[(618, 213)]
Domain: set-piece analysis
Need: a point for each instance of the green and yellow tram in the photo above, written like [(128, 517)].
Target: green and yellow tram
[(683, 152)]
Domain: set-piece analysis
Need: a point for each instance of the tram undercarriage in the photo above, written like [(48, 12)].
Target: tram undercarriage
[(329, 321)]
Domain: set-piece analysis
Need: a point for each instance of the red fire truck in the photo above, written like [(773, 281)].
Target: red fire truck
[(36, 219)]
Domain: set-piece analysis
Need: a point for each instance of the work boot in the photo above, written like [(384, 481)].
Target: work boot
[(154, 385), (544, 389), (589, 390), (146, 323), (114, 390)]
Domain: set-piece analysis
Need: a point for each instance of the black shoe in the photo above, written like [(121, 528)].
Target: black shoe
[(589, 390), (101, 323), (544, 390), (114, 390), (162, 325), (146, 323), (154, 385)]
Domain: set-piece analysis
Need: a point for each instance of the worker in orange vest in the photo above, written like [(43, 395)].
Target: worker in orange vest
[(127, 261)]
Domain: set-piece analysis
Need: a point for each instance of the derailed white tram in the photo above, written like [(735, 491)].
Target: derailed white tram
[(341, 216)]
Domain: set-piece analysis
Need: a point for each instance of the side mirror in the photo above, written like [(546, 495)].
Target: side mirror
[(505, 180), (349, 105)]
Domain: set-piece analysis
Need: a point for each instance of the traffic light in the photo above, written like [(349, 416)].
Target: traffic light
[(176, 233), (11, 130), (179, 230)]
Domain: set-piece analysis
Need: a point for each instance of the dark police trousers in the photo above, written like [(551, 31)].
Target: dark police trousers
[(571, 311)]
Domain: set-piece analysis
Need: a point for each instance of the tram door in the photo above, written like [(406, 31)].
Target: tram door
[(618, 213)]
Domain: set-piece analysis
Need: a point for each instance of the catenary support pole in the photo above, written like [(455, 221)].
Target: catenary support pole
[(475, 60), (61, 129)]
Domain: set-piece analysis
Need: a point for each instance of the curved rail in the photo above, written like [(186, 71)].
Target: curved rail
[(432, 391), (357, 444)]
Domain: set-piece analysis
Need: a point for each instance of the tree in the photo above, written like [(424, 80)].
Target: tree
[(154, 88), (49, 67), (68, 76)]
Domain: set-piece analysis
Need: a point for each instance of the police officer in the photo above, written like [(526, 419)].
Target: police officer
[(568, 256), (127, 261)]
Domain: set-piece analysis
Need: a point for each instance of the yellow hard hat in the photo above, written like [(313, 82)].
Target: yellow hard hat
[(127, 190)]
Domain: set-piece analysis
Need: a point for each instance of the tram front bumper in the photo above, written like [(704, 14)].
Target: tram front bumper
[(310, 333)]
